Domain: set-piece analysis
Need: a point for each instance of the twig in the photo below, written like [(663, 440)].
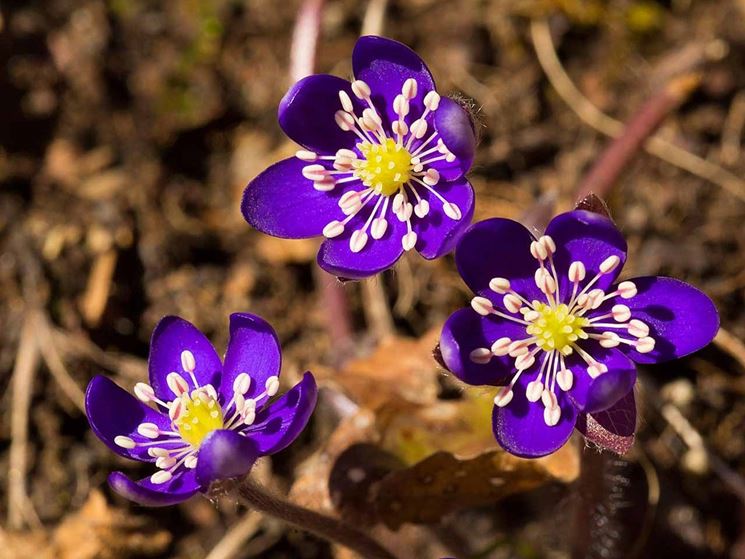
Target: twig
[(231, 544), (591, 115), (93, 302), (376, 309), (615, 158), (20, 510), (324, 526), (727, 342), (305, 38), (372, 23), (55, 364)]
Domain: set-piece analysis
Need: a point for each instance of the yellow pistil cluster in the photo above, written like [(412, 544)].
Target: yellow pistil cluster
[(385, 166), (200, 415), (556, 328)]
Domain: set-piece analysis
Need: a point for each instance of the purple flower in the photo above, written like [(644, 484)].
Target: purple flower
[(382, 169), (552, 327), (210, 419)]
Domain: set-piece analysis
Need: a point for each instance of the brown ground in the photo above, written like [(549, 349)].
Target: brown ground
[(128, 132)]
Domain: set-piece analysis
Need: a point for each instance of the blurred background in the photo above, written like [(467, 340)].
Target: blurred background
[(128, 130)]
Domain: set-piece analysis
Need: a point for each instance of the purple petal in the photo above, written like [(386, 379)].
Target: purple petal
[(179, 489), (521, 429), (465, 331), (681, 318), (282, 421), (497, 247), (612, 429), (253, 348), (336, 257), (171, 337), (281, 202), (589, 238), (306, 113), (593, 395), (438, 233), (385, 65), (455, 126), (112, 411), (225, 454)]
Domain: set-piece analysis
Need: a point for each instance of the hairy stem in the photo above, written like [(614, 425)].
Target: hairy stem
[(327, 527)]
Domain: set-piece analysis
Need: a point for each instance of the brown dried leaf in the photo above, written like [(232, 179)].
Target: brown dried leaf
[(441, 484), (595, 204)]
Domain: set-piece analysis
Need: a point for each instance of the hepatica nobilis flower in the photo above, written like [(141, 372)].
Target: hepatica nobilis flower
[(382, 166), (552, 326), (200, 419)]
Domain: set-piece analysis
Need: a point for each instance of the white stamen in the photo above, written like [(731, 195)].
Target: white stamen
[(378, 228), (124, 442), (431, 177), (538, 251), (432, 100), (609, 340), (357, 241), (627, 289), (326, 184), (565, 378), (346, 102), (452, 211), (187, 361), (609, 264), (512, 303), (548, 244), (272, 385), (480, 355), (422, 208), (144, 392), (419, 128), (501, 347), (549, 399), (156, 452), (305, 155), (191, 462), (524, 361), (242, 383), (621, 313), (315, 172), (638, 329), (177, 384), (596, 369), (409, 88), (503, 397), (645, 345), (148, 430), (333, 229), (344, 120), (400, 128), (577, 272), (361, 89), (165, 462), (401, 106), (161, 477), (552, 416), (409, 240), (482, 305), (534, 390), (499, 285)]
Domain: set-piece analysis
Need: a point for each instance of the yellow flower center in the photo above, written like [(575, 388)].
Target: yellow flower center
[(556, 328), (385, 167), (200, 415)]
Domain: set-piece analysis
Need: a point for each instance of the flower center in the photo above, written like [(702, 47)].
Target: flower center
[(200, 414), (385, 167), (555, 328)]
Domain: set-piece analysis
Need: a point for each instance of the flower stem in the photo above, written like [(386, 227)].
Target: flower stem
[(327, 527), (331, 293)]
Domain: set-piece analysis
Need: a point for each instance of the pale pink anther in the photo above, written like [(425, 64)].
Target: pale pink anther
[(482, 305), (621, 313), (501, 347), (242, 383), (552, 416), (144, 392), (524, 361), (346, 102), (549, 398), (609, 340), (480, 355), (409, 88), (499, 285), (432, 100), (565, 379), (161, 476), (534, 390), (627, 289), (638, 329), (357, 241), (512, 303), (596, 369), (401, 105), (408, 241), (305, 155), (431, 177), (326, 184), (577, 272), (452, 211), (645, 345), (124, 442), (419, 128), (378, 228), (609, 264), (503, 397), (187, 361), (344, 120), (538, 251), (315, 172), (422, 208), (548, 244), (148, 430), (360, 89), (400, 128)]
